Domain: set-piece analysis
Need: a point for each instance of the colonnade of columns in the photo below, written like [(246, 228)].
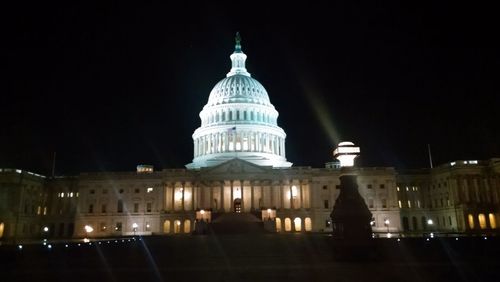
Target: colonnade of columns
[(220, 195), (245, 141)]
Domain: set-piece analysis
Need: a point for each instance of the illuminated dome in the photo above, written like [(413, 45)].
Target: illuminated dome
[(239, 121)]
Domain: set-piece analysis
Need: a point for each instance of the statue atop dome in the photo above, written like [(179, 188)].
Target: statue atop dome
[(237, 39)]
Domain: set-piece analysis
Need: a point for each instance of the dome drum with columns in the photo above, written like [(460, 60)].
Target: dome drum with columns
[(239, 121)]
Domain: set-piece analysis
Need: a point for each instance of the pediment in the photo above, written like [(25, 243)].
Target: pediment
[(236, 166)]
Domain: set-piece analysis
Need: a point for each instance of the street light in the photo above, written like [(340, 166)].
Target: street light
[(386, 223), (88, 229), (134, 226)]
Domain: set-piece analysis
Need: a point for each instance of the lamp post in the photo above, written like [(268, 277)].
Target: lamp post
[(45, 230), (430, 223), (88, 230), (134, 227), (386, 223)]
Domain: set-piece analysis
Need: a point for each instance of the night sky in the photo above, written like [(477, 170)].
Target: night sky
[(108, 86)]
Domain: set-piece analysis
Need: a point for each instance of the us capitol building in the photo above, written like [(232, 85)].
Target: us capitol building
[(240, 171)]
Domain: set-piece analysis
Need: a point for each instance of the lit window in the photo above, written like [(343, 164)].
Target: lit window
[(409, 203), (38, 210), (71, 195), (149, 190), (44, 210), (148, 207), (400, 205), (418, 203), (471, 221), (482, 221), (118, 226), (397, 188), (407, 189), (62, 195), (493, 221), (77, 194)]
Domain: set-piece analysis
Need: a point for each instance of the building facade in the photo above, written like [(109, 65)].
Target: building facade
[(239, 166)]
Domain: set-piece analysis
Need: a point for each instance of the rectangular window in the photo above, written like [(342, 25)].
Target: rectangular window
[(148, 207), (92, 191), (120, 206), (44, 210), (91, 208), (118, 226), (399, 203), (136, 207), (325, 187), (409, 203), (325, 204), (397, 188), (337, 187), (105, 191), (137, 191), (370, 203), (384, 203), (382, 186), (369, 186), (103, 208)]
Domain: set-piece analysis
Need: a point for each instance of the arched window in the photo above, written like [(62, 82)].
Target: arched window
[(223, 116), (278, 224), (166, 227), (2, 227), (244, 115), (217, 117), (471, 221), (230, 115), (482, 220), (298, 224), (288, 224), (406, 224), (308, 224), (251, 116), (424, 223), (415, 224), (187, 226), (177, 226), (491, 216)]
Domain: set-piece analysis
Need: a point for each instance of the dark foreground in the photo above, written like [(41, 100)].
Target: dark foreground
[(293, 257)]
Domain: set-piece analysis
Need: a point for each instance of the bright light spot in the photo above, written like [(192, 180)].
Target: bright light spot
[(485, 238), (432, 235), (45, 243), (372, 223), (456, 239), (149, 190), (45, 229), (18, 171), (20, 247), (389, 235), (346, 152), (399, 239), (387, 222), (134, 225), (202, 212), (66, 245), (78, 244), (268, 210), (147, 225), (85, 240), (473, 162), (430, 222), (49, 246), (71, 195), (237, 193), (453, 163), (178, 223), (427, 239), (88, 228)]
